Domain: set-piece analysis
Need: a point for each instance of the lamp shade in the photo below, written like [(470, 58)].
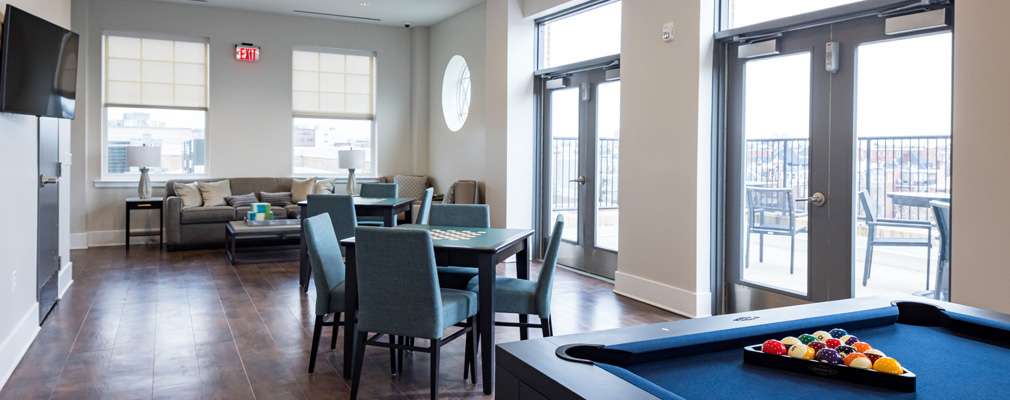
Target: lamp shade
[(143, 156), (351, 159)]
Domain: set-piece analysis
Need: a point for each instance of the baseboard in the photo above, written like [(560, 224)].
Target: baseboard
[(17, 343), (78, 241), (670, 298), (114, 238), (66, 278)]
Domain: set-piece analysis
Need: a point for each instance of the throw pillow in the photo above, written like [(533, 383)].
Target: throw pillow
[(300, 189), (324, 186), (189, 193), (411, 186), (214, 193), (279, 199), (241, 200)]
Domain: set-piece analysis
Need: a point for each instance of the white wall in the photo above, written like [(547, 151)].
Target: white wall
[(19, 180), (249, 133), (980, 267), (457, 155)]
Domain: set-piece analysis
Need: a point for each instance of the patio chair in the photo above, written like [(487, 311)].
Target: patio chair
[(941, 210), (779, 202), (872, 240)]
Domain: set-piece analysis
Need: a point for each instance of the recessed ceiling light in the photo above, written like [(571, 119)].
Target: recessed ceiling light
[(365, 3)]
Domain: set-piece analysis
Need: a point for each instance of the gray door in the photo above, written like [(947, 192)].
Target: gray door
[(48, 266), (792, 135), (581, 168)]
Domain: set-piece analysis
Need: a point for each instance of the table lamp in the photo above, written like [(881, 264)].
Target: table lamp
[(143, 157), (351, 160)]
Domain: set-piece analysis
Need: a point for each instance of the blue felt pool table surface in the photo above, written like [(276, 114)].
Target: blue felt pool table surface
[(947, 364)]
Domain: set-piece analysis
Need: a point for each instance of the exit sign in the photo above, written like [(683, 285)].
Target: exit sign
[(247, 52)]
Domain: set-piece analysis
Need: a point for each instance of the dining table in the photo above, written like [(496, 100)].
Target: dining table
[(483, 248), (917, 199)]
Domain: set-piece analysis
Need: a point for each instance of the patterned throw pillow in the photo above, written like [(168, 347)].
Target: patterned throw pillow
[(189, 193), (279, 199), (241, 200), (411, 186), (301, 188), (214, 193), (323, 186)]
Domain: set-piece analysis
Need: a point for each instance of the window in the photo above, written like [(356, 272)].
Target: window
[(333, 105), (155, 94), (750, 12), (456, 93), (581, 36)]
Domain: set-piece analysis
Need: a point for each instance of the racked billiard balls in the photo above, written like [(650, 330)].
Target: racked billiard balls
[(829, 356), (807, 338), (801, 351), (846, 350), (773, 347), (789, 341), (817, 345), (862, 347), (888, 365), (874, 355), (850, 340), (822, 335), (852, 357), (837, 333), (832, 343)]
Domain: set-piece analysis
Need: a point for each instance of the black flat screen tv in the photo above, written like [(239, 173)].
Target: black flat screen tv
[(38, 66)]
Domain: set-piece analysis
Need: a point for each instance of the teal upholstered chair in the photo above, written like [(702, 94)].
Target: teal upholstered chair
[(402, 261), (386, 190), (425, 210), (340, 209), (328, 266), (465, 215)]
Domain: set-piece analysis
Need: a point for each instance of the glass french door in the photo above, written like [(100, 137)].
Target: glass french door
[(832, 162), (581, 142)]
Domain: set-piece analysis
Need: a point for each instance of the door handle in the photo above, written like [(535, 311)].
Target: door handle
[(581, 180), (816, 199), (43, 181)]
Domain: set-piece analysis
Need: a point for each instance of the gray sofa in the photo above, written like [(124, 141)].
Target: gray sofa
[(195, 227)]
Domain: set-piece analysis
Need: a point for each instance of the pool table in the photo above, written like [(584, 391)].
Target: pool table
[(955, 351)]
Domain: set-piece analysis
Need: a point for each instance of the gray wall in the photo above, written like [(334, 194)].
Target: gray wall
[(457, 155), (250, 103), (19, 196)]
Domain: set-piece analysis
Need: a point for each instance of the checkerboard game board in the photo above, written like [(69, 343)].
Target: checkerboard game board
[(452, 234), (368, 199)]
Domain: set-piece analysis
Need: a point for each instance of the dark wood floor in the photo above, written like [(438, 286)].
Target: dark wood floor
[(188, 325)]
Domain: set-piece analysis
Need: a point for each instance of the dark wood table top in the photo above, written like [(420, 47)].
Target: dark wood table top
[(375, 201)]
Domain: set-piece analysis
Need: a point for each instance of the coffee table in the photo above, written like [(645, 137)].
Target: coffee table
[(261, 239)]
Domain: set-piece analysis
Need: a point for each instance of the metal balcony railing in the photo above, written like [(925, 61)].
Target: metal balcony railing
[(565, 167)]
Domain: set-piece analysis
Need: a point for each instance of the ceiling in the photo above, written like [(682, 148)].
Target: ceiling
[(384, 12)]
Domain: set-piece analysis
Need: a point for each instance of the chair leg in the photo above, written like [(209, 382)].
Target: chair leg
[(929, 251), (359, 361), (399, 354), (550, 324), (792, 253), (316, 332), (336, 324), (869, 257), (473, 349), (468, 354), (524, 332), (761, 247), (746, 253), (436, 347), (545, 325), (392, 355)]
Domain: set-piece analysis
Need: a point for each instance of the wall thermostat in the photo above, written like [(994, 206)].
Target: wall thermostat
[(831, 56), (668, 31)]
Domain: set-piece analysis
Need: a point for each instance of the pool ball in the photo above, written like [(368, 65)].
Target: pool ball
[(852, 357), (862, 347), (822, 335), (789, 341), (773, 347), (861, 363), (837, 333), (851, 340), (801, 351), (829, 356), (888, 365), (874, 355), (806, 338), (846, 350), (817, 345), (832, 343)]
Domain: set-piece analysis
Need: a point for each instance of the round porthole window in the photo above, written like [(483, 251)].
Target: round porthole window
[(456, 93)]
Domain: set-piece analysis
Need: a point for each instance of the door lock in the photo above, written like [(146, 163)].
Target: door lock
[(816, 199), (43, 181), (581, 180)]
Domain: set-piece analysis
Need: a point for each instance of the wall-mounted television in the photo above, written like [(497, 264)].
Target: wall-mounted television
[(38, 66)]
